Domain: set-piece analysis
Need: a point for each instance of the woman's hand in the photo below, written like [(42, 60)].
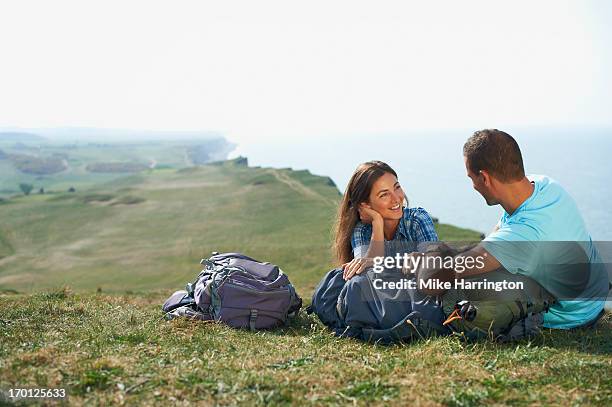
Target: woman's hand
[(355, 266), (367, 214)]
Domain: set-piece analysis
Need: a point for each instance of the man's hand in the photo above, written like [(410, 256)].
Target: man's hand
[(481, 262), (432, 268), (355, 266), (413, 258)]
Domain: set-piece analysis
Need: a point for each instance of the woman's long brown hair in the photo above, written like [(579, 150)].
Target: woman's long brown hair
[(357, 191)]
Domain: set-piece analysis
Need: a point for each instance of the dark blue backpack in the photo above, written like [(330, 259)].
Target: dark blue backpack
[(360, 309)]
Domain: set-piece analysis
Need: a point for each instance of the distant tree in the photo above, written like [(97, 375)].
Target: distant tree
[(26, 188), (41, 191), (71, 189)]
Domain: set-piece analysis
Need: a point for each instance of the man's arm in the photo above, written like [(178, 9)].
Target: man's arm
[(486, 263), (474, 262)]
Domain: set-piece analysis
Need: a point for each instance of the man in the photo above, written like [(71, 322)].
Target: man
[(541, 240), (540, 237)]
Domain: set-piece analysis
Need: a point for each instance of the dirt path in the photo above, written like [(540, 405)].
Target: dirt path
[(301, 188)]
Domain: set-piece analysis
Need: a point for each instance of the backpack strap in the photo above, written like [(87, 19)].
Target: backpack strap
[(523, 314), (252, 319), (412, 326)]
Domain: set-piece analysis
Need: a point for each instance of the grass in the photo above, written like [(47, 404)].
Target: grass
[(107, 349), (105, 341), (5, 247)]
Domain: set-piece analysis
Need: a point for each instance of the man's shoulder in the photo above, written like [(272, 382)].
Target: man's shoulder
[(550, 196), (547, 187), (549, 215)]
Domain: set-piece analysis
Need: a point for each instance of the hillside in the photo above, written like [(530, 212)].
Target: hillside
[(140, 238), (149, 231)]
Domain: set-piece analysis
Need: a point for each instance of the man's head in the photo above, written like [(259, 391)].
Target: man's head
[(492, 160)]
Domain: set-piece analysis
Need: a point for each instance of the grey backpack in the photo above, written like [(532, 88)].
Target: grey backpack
[(358, 310), (239, 291)]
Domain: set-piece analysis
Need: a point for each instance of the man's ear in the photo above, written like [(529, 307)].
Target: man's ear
[(486, 178)]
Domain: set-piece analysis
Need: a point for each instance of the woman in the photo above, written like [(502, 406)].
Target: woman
[(373, 220)]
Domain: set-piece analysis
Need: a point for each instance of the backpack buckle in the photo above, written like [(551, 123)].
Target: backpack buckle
[(252, 319)]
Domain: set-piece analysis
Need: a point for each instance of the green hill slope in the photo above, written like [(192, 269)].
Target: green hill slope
[(149, 231)]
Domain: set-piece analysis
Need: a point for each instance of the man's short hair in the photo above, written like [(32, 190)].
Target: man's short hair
[(496, 152)]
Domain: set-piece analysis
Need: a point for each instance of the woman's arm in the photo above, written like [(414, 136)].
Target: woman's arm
[(377, 242), (376, 248)]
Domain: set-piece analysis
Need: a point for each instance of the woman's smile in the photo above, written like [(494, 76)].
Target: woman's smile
[(387, 197), (395, 211)]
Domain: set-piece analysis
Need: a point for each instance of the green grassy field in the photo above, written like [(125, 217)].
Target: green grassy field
[(77, 157), (149, 231), (116, 349), (139, 238)]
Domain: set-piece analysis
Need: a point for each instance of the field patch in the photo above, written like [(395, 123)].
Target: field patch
[(58, 166), (117, 167), (38, 165), (6, 249)]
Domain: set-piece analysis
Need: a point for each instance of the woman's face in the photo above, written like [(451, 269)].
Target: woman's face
[(387, 197)]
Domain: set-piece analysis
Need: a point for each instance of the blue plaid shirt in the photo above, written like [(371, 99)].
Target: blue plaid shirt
[(415, 227)]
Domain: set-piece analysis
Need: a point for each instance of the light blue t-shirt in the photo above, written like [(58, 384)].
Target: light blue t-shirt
[(546, 239)]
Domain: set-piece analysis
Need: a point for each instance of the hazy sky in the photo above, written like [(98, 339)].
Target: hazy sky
[(268, 69)]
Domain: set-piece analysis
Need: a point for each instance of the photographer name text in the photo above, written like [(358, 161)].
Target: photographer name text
[(435, 284)]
